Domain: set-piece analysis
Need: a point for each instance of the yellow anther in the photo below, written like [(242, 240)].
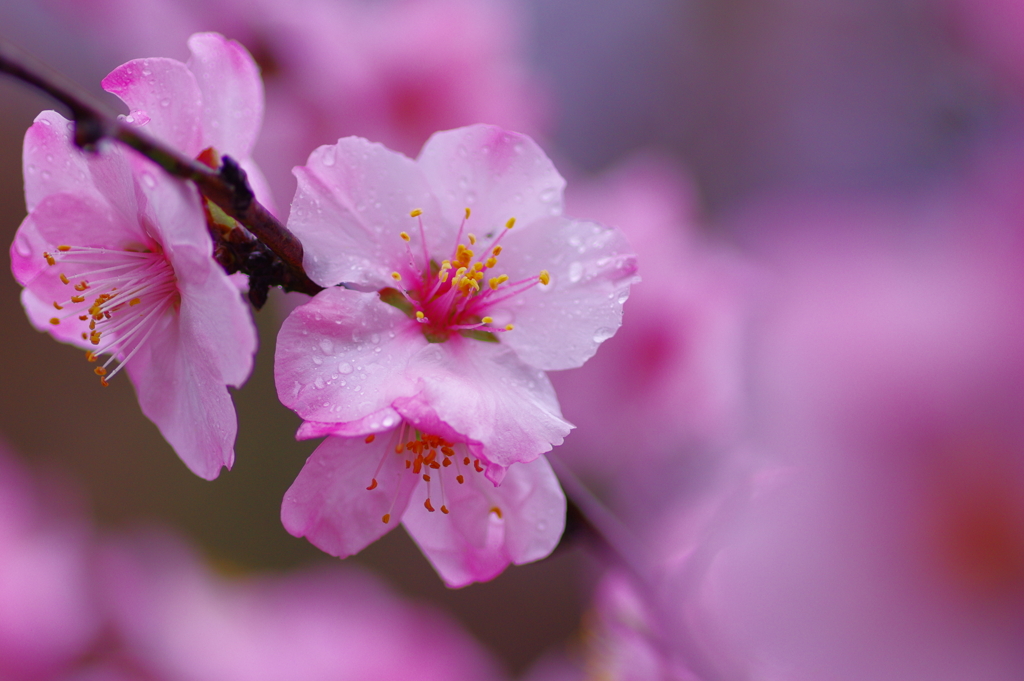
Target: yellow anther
[(85, 336), (82, 285), (90, 355), (104, 383), (420, 316), (491, 262), (57, 305), (459, 272), (511, 223), (100, 371), (386, 518), (396, 276), (459, 479), (544, 277), (64, 278), (77, 299), (467, 213), (444, 509), (370, 438), (415, 213), (478, 276), (373, 484), (83, 317), (496, 511), (509, 327), (497, 250), (472, 239), (405, 236), (49, 259), (426, 505), (477, 266), (54, 321), (495, 282), (487, 320), (64, 249), (134, 301), (443, 276)]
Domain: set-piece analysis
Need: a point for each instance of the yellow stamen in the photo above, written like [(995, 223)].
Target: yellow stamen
[(415, 213), (370, 438), (134, 301), (497, 250), (77, 299), (64, 279), (511, 223), (496, 511), (509, 327), (396, 276), (54, 321), (64, 249), (491, 262), (49, 259), (386, 518), (373, 484), (495, 282), (544, 277), (405, 236), (100, 371), (487, 320), (420, 315), (472, 239), (57, 305)]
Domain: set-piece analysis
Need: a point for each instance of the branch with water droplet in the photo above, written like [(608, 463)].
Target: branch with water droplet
[(265, 249)]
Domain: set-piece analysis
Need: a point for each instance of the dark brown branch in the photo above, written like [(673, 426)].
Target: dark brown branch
[(227, 186)]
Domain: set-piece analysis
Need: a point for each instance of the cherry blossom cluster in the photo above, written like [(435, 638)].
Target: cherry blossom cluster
[(451, 283)]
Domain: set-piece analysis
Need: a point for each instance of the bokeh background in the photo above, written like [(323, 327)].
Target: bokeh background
[(772, 117)]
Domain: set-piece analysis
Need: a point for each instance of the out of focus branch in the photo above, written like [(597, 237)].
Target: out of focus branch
[(226, 186)]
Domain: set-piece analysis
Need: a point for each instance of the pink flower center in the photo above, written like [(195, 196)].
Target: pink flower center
[(120, 298), (431, 458), (453, 296)]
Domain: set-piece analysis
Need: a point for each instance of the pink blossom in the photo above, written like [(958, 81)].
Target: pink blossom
[(427, 340), (350, 490), (425, 331), (115, 256), (886, 540), (392, 71), (49, 615), (178, 621)]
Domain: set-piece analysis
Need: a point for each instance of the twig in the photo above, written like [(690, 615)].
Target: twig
[(227, 186)]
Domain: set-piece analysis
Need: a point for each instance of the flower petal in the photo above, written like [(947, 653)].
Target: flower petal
[(506, 410), (180, 390), (497, 173), (164, 100), (329, 504), (561, 325), (352, 202), (377, 422), (215, 314), (52, 164), (232, 93), (341, 356), (489, 527)]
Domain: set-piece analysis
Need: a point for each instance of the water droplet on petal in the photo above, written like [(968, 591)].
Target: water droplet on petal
[(22, 246), (575, 272), (603, 334), (345, 368), (327, 346)]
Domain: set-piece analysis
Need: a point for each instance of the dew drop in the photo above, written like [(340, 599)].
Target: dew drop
[(318, 383), (327, 346), (317, 360), (575, 272), (328, 157), (345, 368), (165, 102), (148, 180), (603, 334)]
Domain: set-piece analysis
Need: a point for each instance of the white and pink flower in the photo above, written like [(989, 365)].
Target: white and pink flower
[(463, 285), (115, 256)]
